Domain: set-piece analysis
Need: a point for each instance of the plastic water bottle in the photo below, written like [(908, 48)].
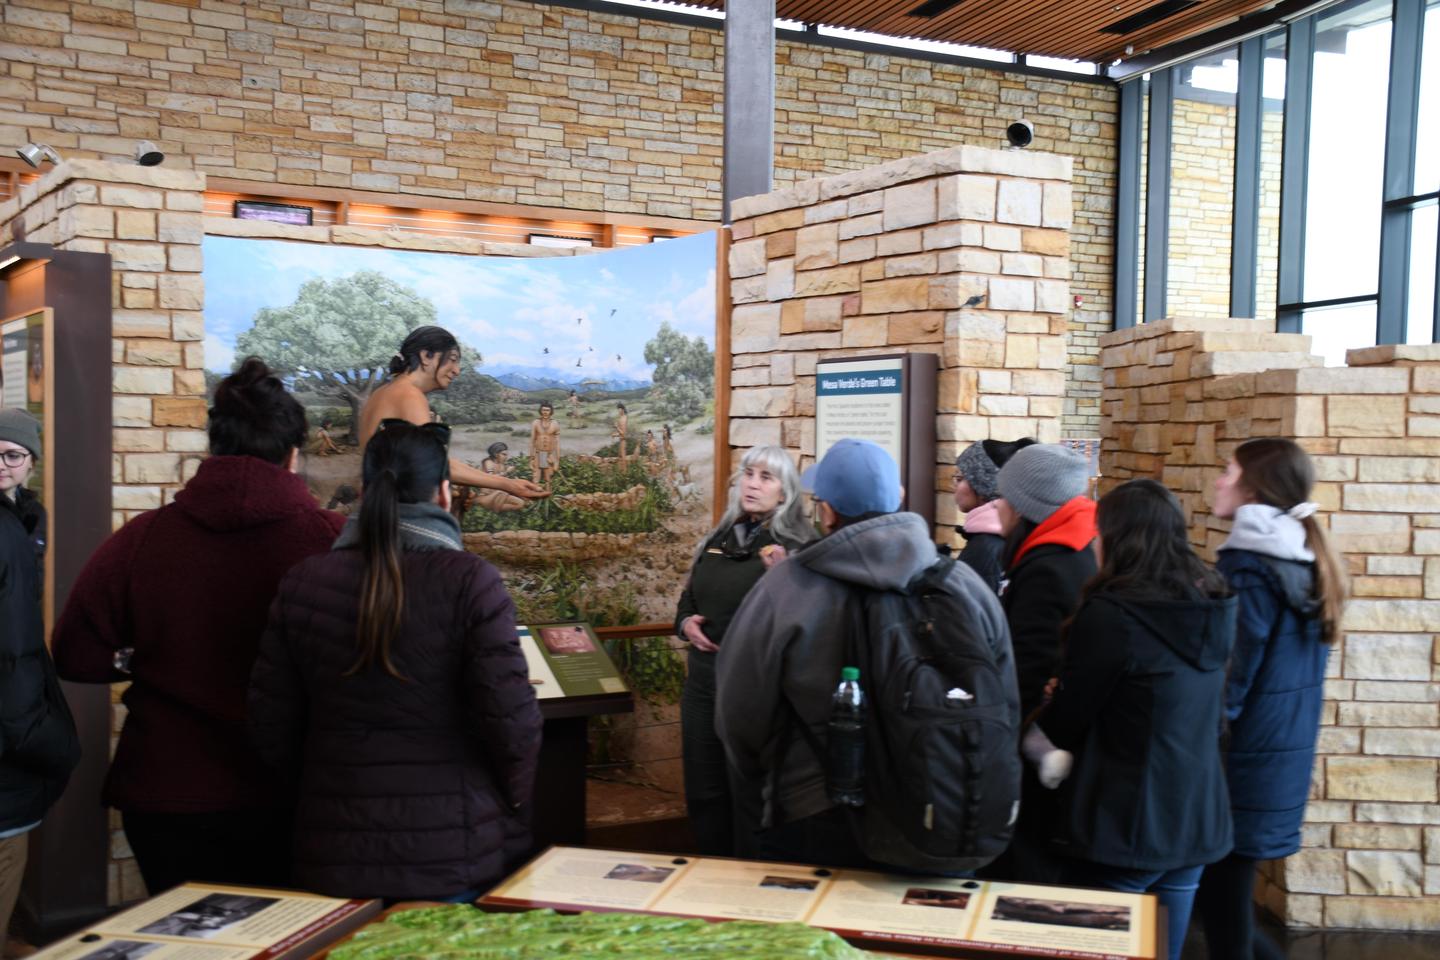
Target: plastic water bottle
[(846, 743)]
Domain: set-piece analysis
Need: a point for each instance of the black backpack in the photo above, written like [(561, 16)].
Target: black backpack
[(942, 766)]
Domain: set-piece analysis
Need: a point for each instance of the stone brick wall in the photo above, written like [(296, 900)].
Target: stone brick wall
[(1179, 396), (963, 253), (520, 102)]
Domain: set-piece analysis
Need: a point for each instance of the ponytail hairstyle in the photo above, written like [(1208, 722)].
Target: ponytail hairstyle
[(422, 340), (403, 464), (1145, 548), (254, 416), (1277, 473)]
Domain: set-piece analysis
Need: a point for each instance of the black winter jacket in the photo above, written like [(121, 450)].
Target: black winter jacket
[(1139, 702), (985, 554), (408, 788), (723, 574), (1041, 594), (38, 744)]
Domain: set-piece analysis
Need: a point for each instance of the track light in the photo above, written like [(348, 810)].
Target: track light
[(37, 153), (148, 155)]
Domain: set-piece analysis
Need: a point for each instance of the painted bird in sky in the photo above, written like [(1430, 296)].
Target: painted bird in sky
[(577, 363), (612, 310)]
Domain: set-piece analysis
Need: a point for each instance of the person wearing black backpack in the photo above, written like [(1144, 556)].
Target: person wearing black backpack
[(941, 771), (1139, 702)]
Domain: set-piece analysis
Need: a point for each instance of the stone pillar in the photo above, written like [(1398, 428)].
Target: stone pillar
[(963, 253), (1179, 396)]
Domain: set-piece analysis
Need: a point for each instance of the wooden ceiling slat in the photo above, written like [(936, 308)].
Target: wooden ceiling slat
[(1068, 29)]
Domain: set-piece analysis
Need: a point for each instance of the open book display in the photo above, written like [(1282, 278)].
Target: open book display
[(568, 660), (198, 921), (939, 915)]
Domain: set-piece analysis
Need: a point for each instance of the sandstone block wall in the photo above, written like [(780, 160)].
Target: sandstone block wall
[(1179, 396), (518, 102), (962, 253)]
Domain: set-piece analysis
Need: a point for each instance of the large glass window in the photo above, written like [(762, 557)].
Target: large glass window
[(1349, 87), (1420, 317), (1272, 132), (1427, 140), (1202, 185)]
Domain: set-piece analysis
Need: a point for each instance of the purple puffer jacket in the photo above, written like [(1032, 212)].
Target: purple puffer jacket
[(415, 788)]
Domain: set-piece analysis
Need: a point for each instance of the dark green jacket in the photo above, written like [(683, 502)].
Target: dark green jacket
[(728, 566)]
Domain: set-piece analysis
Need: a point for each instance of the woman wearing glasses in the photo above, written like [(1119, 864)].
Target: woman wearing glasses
[(765, 518), (391, 686), (37, 737), (175, 602)]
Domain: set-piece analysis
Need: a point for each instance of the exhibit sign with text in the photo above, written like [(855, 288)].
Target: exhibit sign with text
[(890, 400), (568, 660), (204, 922), (946, 916)]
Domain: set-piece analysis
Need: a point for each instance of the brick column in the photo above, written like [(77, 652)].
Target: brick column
[(963, 253)]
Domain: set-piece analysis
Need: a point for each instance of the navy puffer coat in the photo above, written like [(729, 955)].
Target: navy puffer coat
[(1273, 696), (408, 788)]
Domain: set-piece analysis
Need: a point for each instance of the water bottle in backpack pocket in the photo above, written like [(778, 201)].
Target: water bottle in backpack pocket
[(845, 742)]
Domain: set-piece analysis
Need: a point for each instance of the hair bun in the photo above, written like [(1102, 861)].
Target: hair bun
[(241, 393)]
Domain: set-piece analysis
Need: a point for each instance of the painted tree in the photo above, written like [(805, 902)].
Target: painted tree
[(339, 335), (684, 373)]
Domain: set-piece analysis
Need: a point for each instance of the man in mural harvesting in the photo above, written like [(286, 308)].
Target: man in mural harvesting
[(544, 446), (429, 360)]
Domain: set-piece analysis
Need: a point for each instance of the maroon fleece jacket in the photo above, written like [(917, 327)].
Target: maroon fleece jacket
[(189, 588)]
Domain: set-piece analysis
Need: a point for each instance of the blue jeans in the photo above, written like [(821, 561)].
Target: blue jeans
[(1175, 889)]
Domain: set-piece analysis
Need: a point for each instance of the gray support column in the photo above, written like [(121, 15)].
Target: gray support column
[(1127, 205), (749, 99), (1245, 226), (1392, 308), (1294, 174), (1157, 194)]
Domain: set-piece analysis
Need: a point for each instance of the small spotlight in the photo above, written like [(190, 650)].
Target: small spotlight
[(37, 153), (148, 155), (1020, 133)]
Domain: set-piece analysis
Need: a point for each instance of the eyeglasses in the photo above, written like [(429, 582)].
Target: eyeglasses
[(14, 458), (440, 431)]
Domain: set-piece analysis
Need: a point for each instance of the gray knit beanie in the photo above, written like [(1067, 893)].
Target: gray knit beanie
[(978, 470), (19, 427), (1041, 479)]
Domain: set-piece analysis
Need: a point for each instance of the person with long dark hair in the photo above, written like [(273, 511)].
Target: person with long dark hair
[(391, 685), (429, 360), (1291, 591), (175, 603), (765, 515), (1138, 704)]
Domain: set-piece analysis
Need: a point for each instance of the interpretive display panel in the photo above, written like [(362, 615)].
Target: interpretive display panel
[(204, 922), (891, 400), (861, 399), (946, 916), (568, 660)]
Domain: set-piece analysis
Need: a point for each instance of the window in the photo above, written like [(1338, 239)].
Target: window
[(1272, 129), (1427, 141), (1202, 186), (1350, 85), (1420, 316)]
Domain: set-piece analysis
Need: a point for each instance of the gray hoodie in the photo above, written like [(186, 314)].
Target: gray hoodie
[(788, 639)]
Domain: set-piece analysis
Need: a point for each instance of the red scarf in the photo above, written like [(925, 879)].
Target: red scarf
[(1073, 526)]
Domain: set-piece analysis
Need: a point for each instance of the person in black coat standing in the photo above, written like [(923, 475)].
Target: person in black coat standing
[(38, 744), (1138, 703), (1049, 520), (763, 522), (977, 478), (392, 686)]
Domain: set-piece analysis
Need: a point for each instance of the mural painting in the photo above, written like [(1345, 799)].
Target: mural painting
[(591, 375)]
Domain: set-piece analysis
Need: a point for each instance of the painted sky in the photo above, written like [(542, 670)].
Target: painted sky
[(510, 309)]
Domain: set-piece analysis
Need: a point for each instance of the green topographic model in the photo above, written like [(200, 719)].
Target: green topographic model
[(464, 931)]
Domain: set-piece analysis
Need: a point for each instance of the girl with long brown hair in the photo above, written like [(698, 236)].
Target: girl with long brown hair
[(392, 686), (1291, 592)]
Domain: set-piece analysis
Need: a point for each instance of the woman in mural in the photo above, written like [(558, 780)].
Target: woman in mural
[(765, 516), (1291, 592), (391, 685), (175, 602), (429, 360), (622, 427)]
